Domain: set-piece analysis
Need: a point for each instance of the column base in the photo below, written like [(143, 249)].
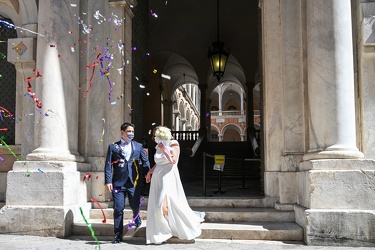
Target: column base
[(46, 156), (330, 227), (54, 221), (334, 154), (336, 202), (43, 198)]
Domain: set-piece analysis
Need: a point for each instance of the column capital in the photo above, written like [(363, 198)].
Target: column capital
[(123, 2)]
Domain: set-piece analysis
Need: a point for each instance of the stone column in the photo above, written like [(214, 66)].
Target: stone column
[(44, 194), (203, 130), (332, 132), (168, 107), (334, 202), (220, 137), (242, 103), (176, 114), (220, 100), (183, 122), (56, 135), (366, 75)]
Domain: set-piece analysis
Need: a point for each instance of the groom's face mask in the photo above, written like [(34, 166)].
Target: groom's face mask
[(130, 135)]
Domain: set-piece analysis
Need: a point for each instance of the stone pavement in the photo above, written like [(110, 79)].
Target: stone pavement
[(15, 242)]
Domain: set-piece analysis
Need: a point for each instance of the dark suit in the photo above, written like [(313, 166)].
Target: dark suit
[(123, 175)]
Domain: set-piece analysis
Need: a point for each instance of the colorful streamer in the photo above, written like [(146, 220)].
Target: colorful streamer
[(132, 223), (87, 176), (93, 200), (92, 72), (101, 139), (105, 72), (9, 25), (7, 114), (90, 227), (10, 150), (136, 169), (32, 94)]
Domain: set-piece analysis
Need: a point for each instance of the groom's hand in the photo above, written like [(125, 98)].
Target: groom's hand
[(109, 187)]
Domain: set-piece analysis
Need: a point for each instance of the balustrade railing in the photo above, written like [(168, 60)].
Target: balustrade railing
[(232, 112), (185, 135)]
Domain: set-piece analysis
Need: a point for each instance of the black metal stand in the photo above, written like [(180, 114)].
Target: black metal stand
[(219, 191), (243, 176)]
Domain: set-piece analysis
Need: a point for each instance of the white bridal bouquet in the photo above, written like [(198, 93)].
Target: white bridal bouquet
[(163, 134)]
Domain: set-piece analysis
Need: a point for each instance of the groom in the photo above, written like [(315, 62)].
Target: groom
[(125, 166)]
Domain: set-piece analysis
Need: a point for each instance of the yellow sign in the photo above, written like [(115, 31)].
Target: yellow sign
[(219, 162), (220, 159)]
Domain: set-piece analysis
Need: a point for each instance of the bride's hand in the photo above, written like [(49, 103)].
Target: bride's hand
[(148, 177)]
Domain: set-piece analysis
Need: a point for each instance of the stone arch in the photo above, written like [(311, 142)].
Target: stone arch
[(233, 136), (23, 13)]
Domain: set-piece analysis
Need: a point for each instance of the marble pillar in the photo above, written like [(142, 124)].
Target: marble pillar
[(45, 191), (366, 75), (204, 130), (56, 136), (330, 71), (335, 186)]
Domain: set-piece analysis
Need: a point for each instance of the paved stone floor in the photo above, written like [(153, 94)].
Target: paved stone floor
[(27, 242)]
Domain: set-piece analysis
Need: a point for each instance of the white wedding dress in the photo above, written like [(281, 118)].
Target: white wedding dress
[(181, 221)]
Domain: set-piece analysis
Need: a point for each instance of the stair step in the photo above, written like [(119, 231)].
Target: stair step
[(216, 214), (285, 231), (208, 201)]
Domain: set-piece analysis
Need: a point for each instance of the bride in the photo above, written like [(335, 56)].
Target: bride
[(168, 212)]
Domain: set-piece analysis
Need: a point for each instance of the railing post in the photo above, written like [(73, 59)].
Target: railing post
[(204, 173), (243, 173)]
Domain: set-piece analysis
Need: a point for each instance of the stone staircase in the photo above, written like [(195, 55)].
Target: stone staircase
[(232, 218)]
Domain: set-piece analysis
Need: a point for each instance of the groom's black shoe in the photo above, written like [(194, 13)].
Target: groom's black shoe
[(116, 240), (138, 222)]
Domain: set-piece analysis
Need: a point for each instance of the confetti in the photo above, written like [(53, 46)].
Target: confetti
[(166, 76), (40, 170), (118, 98), (153, 14), (2, 159), (99, 17)]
